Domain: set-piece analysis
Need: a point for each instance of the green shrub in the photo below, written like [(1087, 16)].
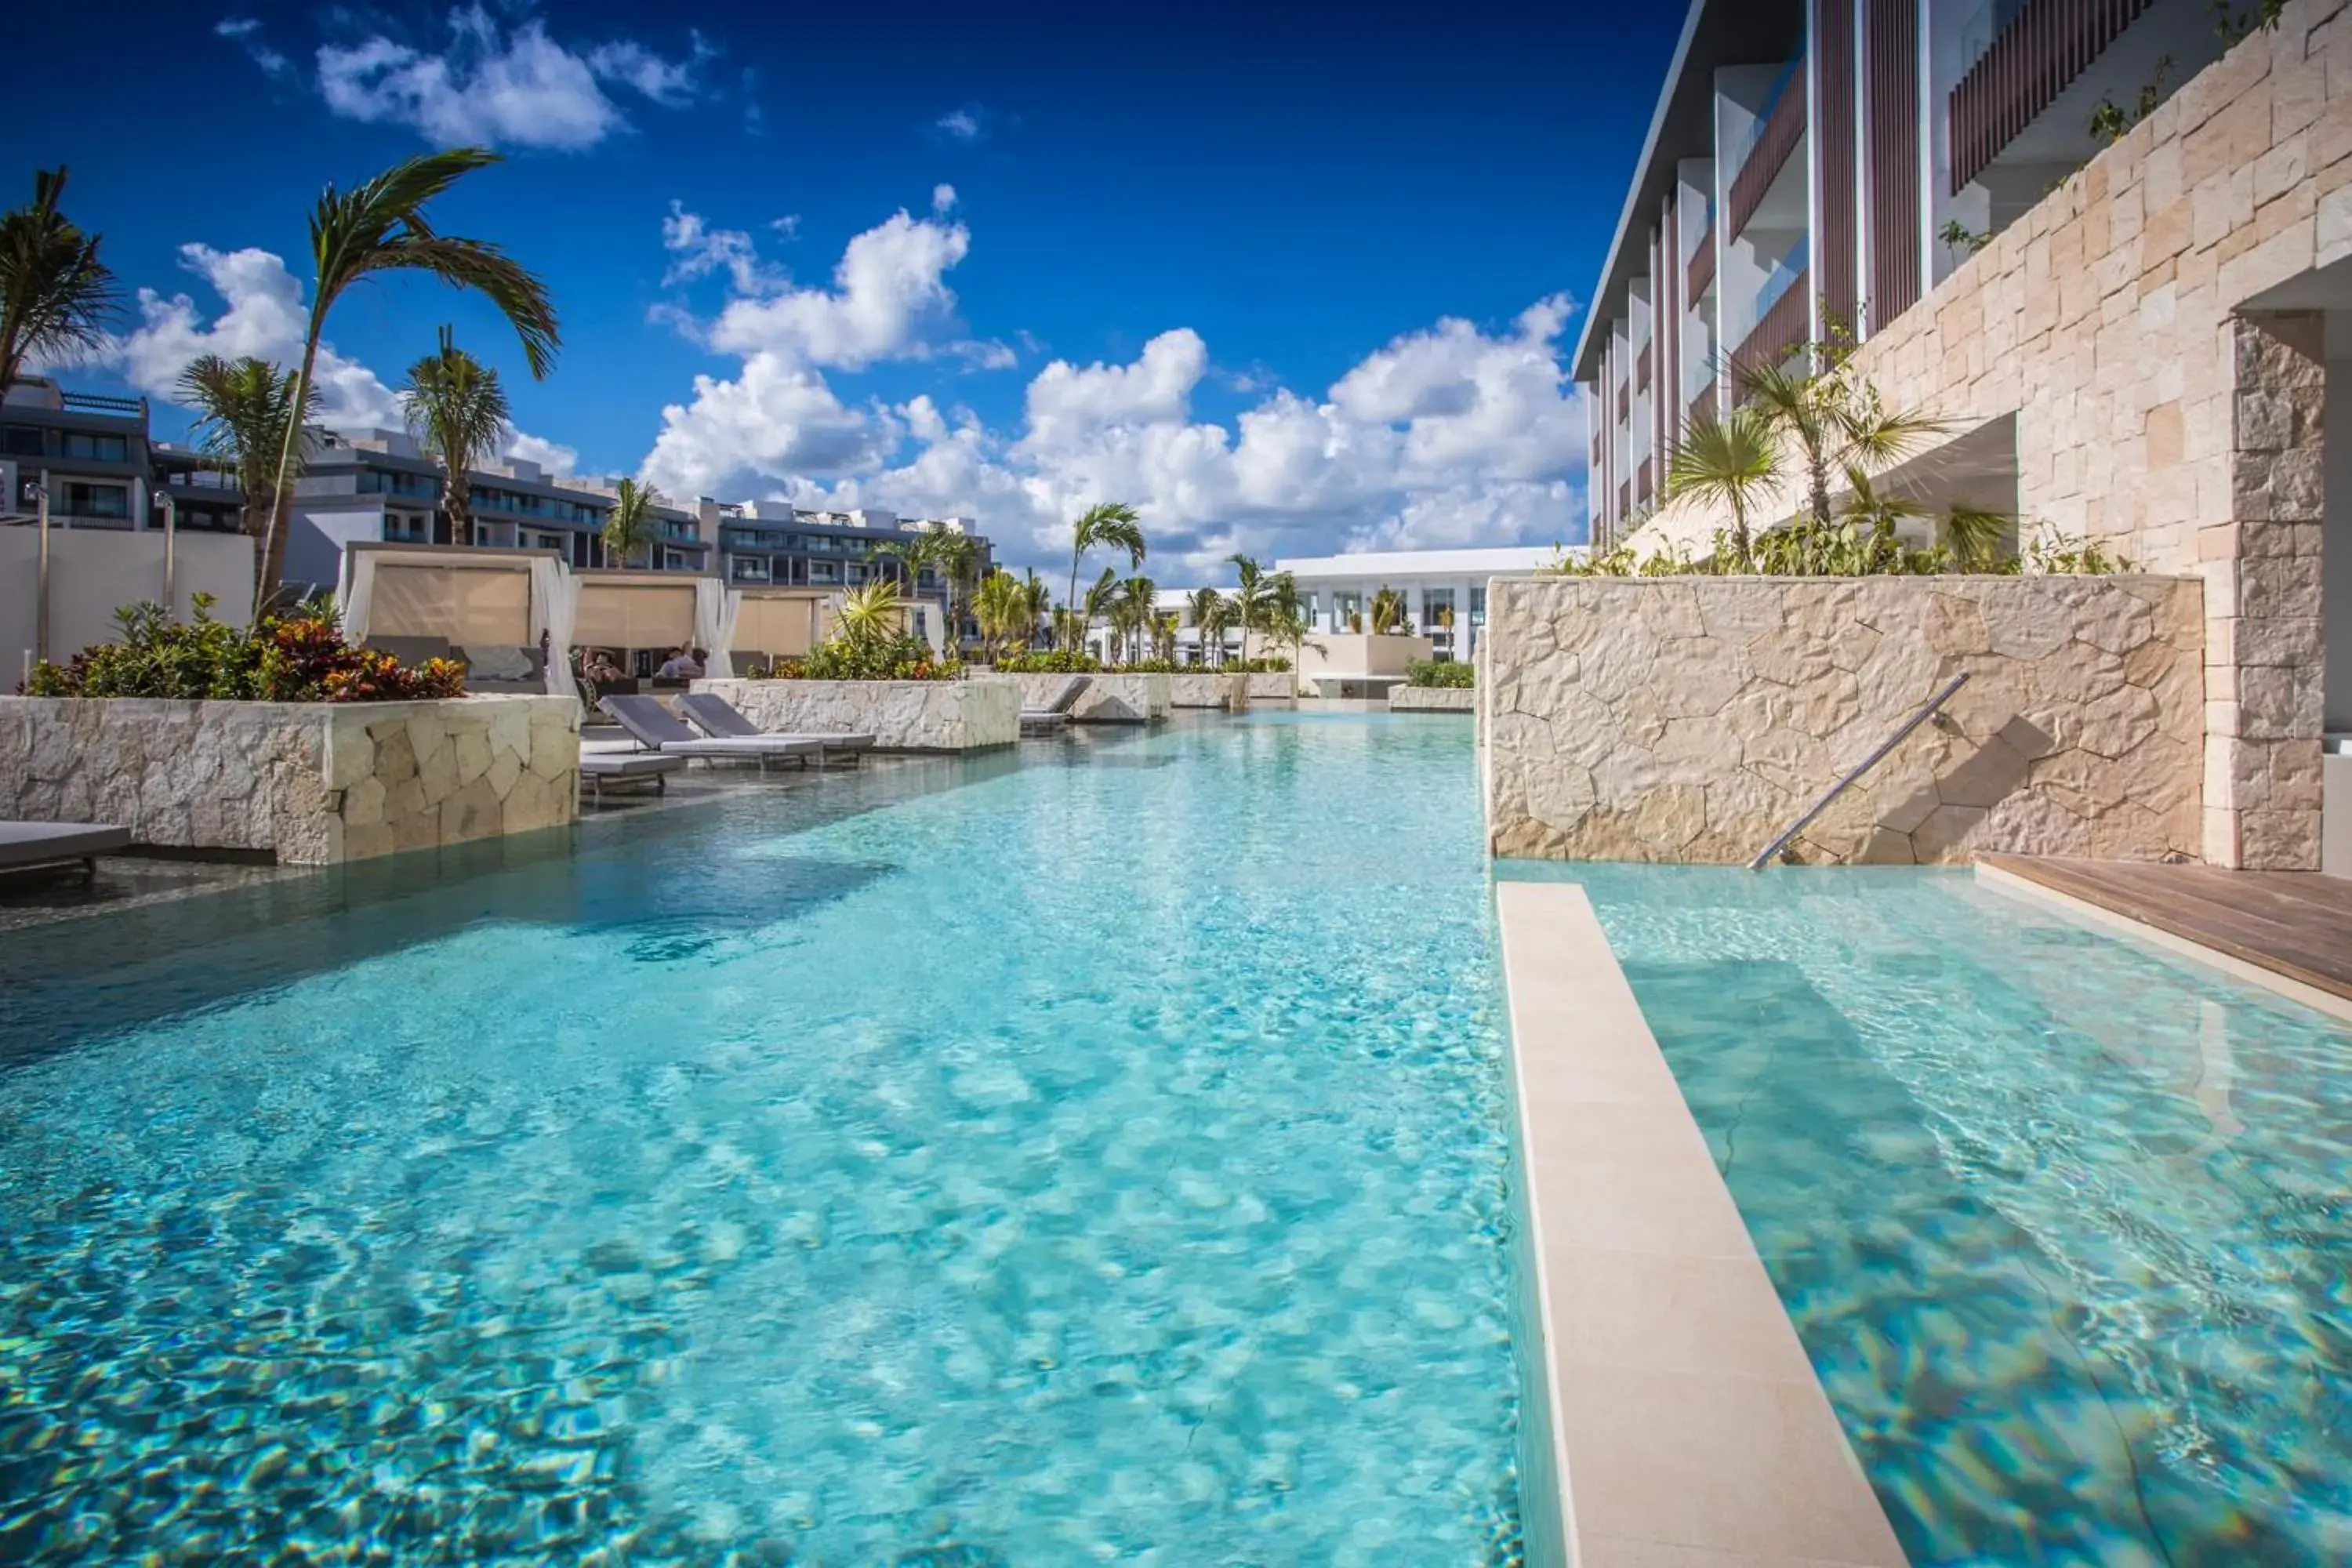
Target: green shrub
[(296, 658), (900, 658), (1446, 673), (1254, 667), (1054, 661)]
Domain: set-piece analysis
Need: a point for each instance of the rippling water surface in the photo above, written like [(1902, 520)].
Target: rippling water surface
[(1096, 1155), (2064, 1224)]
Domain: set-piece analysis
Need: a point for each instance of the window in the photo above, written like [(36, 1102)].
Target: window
[(20, 440), (1478, 604), (750, 569), (407, 528), (95, 448), (96, 500), (381, 482)]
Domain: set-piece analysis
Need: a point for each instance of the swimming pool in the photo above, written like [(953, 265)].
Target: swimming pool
[(1100, 1153), (2063, 1222)]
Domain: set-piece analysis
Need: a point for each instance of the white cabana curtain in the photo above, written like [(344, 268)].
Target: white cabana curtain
[(554, 602), (716, 608)]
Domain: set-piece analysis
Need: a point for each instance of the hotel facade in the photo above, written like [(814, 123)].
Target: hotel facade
[(2138, 325)]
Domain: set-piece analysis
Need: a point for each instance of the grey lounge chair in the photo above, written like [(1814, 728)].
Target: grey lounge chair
[(656, 728), (721, 720), (25, 844), (1055, 714), (597, 768)]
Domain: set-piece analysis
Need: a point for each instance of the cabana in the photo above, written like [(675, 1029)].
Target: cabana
[(780, 623), (629, 610), (508, 613)]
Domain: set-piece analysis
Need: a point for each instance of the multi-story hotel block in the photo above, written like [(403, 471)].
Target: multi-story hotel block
[(2109, 241)]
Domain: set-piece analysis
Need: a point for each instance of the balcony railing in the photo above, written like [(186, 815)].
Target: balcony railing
[(1702, 408), (99, 402), (1778, 137), (1780, 332), (1625, 402), (1700, 275), (2032, 61), (1641, 371), (1641, 481)]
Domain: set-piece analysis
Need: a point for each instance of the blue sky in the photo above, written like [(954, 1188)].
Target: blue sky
[(1291, 280)]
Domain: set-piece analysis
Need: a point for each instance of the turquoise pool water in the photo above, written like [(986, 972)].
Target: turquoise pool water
[(1095, 1155), (2064, 1224)]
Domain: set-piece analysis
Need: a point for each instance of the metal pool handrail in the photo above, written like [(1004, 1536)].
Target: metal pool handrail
[(1868, 762)]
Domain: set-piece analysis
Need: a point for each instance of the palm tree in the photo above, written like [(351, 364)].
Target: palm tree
[(1038, 600), (244, 409), (1833, 421), (959, 564), (1732, 462), (912, 553), (1003, 606), (1163, 635), (1095, 605), (868, 614), (1285, 614), (1110, 523), (457, 407), (55, 296), (1388, 612), (1212, 613), (1249, 599), (633, 525), (380, 226), (1139, 598)]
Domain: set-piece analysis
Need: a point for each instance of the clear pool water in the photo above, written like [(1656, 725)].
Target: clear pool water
[(1096, 1155), (2063, 1222)]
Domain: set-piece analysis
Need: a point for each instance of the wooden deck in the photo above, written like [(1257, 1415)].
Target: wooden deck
[(2297, 924)]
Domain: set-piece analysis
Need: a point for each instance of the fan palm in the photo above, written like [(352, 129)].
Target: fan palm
[(457, 409), (245, 408), (55, 295), (1112, 523), (1249, 598), (632, 524), (1833, 422), (1732, 462), (380, 226), (1212, 613)]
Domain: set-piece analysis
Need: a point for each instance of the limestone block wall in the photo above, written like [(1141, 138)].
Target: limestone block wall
[(1273, 686), (312, 783), (1229, 692), (1693, 718), (1434, 699), (2166, 402), (901, 715), (1108, 699)]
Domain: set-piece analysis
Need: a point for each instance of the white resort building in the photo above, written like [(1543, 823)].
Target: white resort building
[(1444, 590)]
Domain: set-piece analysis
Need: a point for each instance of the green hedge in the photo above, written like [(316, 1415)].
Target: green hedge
[(1445, 673)]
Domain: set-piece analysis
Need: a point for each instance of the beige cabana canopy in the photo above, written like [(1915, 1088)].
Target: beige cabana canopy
[(634, 609), (466, 595), (782, 623)]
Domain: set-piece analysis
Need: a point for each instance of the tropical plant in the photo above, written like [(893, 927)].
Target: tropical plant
[(1095, 605), (1108, 523), (2235, 23), (912, 553), (1001, 606), (55, 295), (1445, 673), (1249, 596), (1213, 616), (458, 411), (868, 613), (1049, 661), (1039, 597), (380, 226), (1961, 237), (1833, 421), (302, 657), (1388, 612), (632, 524), (1137, 611), (1164, 625), (244, 409), (959, 566), (1732, 462)]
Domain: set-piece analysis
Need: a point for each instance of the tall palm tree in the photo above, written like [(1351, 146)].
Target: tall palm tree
[(1285, 614), (244, 409), (55, 295), (1001, 606), (1249, 599), (1731, 462), (1211, 614), (380, 226), (632, 524), (959, 565), (1138, 596), (457, 409), (1094, 605), (1038, 598), (1112, 523)]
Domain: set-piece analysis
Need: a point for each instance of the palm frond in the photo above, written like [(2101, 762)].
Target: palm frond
[(486, 269)]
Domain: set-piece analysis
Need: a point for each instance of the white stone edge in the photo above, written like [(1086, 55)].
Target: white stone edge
[(2024, 888)]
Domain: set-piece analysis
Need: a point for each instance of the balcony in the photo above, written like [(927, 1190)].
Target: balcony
[(1642, 490), (2045, 47), (1625, 402), (1699, 277), (1779, 332), (1776, 135), (1641, 371), (1702, 408)]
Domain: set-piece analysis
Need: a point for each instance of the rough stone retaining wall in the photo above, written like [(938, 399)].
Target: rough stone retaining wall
[(1229, 692), (1108, 699), (1434, 699), (1273, 686), (314, 784), (1693, 718), (901, 715)]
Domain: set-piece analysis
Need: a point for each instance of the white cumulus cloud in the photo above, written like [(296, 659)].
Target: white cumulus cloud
[(1452, 434), (498, 86)]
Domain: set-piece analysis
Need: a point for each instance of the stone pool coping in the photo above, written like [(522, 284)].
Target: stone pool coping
[(2030, 891), (1688, 1426)]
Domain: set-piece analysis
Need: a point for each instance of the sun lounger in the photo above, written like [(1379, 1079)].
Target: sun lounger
[(721, 720), (656, 728), (24, 845), (599, 768), (1055, 714)]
